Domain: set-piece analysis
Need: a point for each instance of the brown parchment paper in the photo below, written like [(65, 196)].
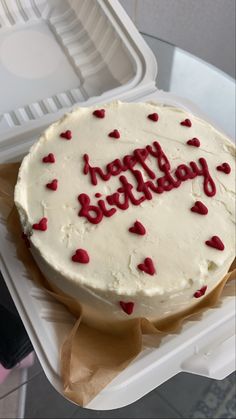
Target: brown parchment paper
[(90, 358)]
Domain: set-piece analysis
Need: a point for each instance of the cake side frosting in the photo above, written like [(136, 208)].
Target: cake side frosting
[(130, 208)]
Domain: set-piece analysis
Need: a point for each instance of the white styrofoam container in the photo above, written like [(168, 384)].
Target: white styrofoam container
[(55, 55)]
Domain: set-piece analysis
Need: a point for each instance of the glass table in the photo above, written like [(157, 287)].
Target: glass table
[(214, 92), (185, 75)]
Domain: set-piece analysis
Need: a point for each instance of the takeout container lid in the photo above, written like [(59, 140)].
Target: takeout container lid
[(54, 56)]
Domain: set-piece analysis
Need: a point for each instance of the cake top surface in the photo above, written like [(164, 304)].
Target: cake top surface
[(135, 198)]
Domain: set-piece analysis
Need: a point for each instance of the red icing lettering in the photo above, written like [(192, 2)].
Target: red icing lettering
[(50, 158), (114, 134), (80, 256), (194, 142), (106, 212), (99, 113), (125, 194), (167, 183), (200, 292), (200, 208), (162, 160), (141, 155), (93, 171), (127, 307), (93, 213), (145, 186), (225, 168), (67, 135), (114, 168), (52, 185), (41, 225), (129, 162), (208, 183), (98, 195), (126, 190), (186, 123), (138, 228), (183, 173), (153, 116), (147, 266), (216, 243)]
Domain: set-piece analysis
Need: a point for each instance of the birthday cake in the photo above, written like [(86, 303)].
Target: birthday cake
[(129, 209)]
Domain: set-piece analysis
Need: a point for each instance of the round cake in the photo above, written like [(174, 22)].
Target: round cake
[(130, 209)]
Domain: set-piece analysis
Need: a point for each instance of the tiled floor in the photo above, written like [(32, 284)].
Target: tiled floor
[(176, 398)]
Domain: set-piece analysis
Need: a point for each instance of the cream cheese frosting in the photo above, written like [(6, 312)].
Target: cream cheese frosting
[(130, 208)]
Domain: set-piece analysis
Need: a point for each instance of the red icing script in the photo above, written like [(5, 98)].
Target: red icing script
[(143, 190)]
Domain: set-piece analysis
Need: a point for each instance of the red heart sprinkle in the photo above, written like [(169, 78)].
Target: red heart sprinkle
[(153, 116), (67, 135), (80, 256), (186, 123), (99, 113), (216, 243), (52, 185), (200, 208), (224, 167), (26, 240), (138, 228), (114, 134), (98, 195), (41, 225), (127, 307), (194, 142), (50, 158), (147, 266), (200, 292)]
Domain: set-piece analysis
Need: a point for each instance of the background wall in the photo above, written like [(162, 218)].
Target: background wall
[(205, 28)]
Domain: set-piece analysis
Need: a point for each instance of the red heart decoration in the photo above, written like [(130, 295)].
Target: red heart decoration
[(26, 240), (138, 228), (80, 256), (186, 123), (50, 158), (52, 185), (114, 134), (147, 266), (194, 142), (200, 208), (224, 167), (216, 243), (200, 292), (67, 135), (41, 225), (153, 116), (127, 307), (99, 113)]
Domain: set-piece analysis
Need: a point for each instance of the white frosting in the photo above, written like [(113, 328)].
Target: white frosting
[(175, 237)]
